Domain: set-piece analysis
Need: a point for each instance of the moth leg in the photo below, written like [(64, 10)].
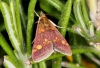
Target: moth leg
[(29, 61), (32, 42)]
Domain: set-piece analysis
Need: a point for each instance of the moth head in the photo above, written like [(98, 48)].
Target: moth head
[(42, 14)]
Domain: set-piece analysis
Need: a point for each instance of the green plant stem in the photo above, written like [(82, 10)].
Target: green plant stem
[(71, 65), (77, 58), (30, 25), (56, 63), (42, 64), (35, 66), (8, 50)]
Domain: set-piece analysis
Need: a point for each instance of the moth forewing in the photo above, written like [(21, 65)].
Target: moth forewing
[(42, 47)]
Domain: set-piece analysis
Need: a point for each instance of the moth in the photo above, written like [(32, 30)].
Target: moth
[(48, 40)]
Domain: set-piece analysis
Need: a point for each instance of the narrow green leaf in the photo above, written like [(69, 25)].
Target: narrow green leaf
[(64, 19), (19, 28), (56, 3), (88, 23), (47, 7), (77, 59), (84, 10), (23, 20), (9, 25), (30, 25), (93, 58), (12, 8), (79, 17), (35, 66), (42, 64), (56, 63), (8, 49), (9, 63)]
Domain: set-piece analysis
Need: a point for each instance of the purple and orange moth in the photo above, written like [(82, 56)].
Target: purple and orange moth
[(47, 40)]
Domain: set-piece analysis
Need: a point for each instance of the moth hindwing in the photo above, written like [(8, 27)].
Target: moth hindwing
[(47, 40)]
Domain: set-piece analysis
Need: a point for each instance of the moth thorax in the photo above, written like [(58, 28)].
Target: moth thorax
[(46, 24)]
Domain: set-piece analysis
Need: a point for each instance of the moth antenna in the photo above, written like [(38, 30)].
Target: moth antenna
[(60, 26), (56, 25), (36, 13), (36, 22)]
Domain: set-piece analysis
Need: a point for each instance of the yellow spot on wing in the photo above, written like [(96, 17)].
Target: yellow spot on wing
[(46, 41), (42, 30), (39, 47), (56, 39), (34, 50), (63, 42), (66, 44)]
